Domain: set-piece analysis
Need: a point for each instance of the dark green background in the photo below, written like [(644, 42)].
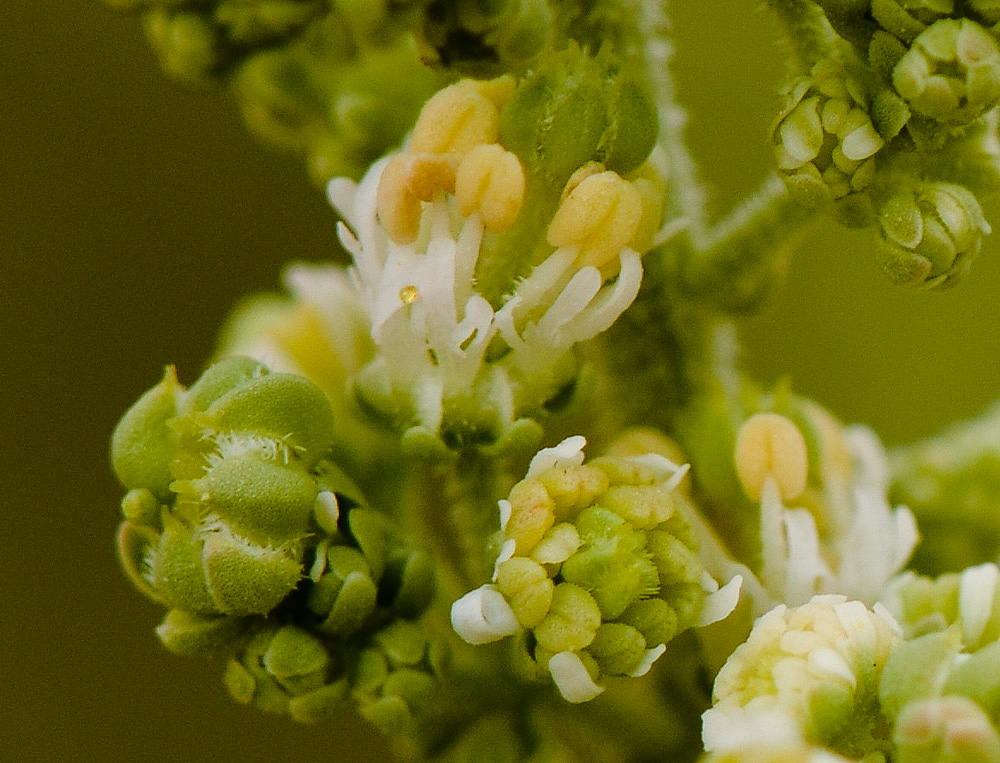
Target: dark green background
[(134, 213)]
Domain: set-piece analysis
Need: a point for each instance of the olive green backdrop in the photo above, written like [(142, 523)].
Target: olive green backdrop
[(134, 213)]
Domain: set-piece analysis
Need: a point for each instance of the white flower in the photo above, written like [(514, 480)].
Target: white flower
[(432, 328), (809, 673), (865, 546)]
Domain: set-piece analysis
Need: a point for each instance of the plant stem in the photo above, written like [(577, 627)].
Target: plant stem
[(809, 34), (734, 264)]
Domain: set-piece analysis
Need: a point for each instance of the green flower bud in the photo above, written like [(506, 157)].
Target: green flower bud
[(574, 109), (267, 502), (968, 600), (244, 578), (277, 665), (930, 234), (188, 45), (143, 445), (951, 72), (191, 634), (396, 678), (283, 406), (825, 141)]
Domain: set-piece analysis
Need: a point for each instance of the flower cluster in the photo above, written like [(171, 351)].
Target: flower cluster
[(814, 517), (806, 674), (598, 565), (260, 547), (472, 313), (872, 124)]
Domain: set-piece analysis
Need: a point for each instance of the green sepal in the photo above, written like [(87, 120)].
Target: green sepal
[(176, 571), (896, 20), (318, 703), (297, 660), (143, 445), (354, 603), (415, 687), (244, 578), (918, 669), (618, 648), (370, 531), (978, 678), (391, 715), (239, 682), (218, 380), (142, 507), (371, 668), (417, 577), (286, 407), (267, 502), (196, 635), (403, 642), (135, 543), (252, 24)]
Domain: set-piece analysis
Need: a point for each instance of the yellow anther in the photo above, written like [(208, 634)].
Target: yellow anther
[(770, 445), (408, 294), (398, 207), (531, 515), (456, 119), (528, 589), (601, 215), (491, 181), (429, 173)]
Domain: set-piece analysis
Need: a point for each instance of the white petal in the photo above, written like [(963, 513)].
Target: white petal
[(572, 679), (651, 656), (567, 453), (719, 604), (726, 728), (482, 616), (976, 589), (831, 661)]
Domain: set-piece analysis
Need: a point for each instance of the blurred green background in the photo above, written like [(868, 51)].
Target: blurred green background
[(134, 213)]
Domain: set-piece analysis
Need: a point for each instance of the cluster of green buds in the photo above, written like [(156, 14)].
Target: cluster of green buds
[(261, 548), (802, 498), (507, 230), (898, 128), (486, 38), (824, 138), (598, 569)]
